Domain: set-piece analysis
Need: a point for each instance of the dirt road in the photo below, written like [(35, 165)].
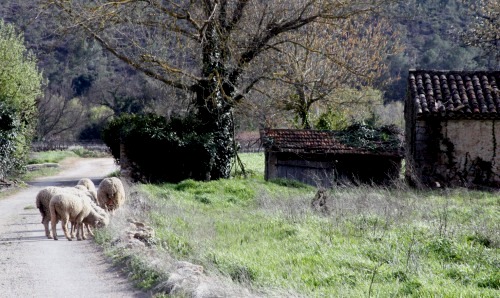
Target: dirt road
[(33, 266)]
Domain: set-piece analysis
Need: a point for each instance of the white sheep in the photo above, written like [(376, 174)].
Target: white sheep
[(89, 185), (110, 194), (43, 199), (70, 207), (90, 221)]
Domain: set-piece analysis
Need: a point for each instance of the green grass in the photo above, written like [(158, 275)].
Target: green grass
[(370, 242), (253, 164), (56, 156), (53, 156)]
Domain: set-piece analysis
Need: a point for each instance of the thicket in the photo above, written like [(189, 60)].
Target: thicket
[(20, 84), (161, 149)]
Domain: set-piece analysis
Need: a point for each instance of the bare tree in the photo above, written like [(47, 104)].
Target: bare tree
[(59, 115), (208, 48), (485, 31), (349, 53)]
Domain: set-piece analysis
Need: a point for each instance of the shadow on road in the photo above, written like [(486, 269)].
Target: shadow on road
[(60, 182), (24, 239)]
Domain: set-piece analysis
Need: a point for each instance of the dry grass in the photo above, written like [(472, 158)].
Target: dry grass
[(256, 238)]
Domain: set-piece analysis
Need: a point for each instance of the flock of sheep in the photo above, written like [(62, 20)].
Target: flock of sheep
[(81, 205)]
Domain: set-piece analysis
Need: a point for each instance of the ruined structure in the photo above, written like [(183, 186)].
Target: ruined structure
[(325, 158), (453, 128)]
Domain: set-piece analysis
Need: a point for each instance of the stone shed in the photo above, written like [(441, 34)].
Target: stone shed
[(453, 128), (326, 158)]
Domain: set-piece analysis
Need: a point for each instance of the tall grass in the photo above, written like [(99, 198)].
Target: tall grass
[(363, 242)]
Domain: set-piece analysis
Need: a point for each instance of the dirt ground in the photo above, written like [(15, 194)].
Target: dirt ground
[(33, 266)]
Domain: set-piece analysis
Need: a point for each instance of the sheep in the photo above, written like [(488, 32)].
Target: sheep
[(90, 221), (110, 194), (88, 185), (76, 209), (43, 199), (98, 217)]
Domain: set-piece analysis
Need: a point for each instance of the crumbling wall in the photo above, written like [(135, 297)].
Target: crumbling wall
[(457, 153)]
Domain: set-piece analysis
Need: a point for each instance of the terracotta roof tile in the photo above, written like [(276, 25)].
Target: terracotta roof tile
[(455, 94), (311, 141)]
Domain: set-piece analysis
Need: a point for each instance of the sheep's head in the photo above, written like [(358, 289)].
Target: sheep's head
[(102, 221)]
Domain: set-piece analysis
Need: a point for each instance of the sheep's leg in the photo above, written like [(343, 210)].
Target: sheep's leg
[(89, 230), (45, 222), (73, 228), (64, 224), (82, 227), (79, 231), (54, 227)]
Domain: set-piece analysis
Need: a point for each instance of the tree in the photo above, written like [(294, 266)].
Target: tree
[(350, 53), (485, 31), (208, 48), (431, 31), (20, 84)]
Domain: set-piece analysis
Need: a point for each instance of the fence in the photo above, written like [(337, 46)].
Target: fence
[(63, 145), (245, 145), (248, 146)]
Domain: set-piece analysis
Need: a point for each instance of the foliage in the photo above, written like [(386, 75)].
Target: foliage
[(364, 136), (386, 242), (331, 120), (332, 59), (433, 33), (158, 149), (485, 30), (213, 52), (349, 106), (20, 84)]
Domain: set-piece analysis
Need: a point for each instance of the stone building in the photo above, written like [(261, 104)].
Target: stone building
[(453, 128), (325, 158)]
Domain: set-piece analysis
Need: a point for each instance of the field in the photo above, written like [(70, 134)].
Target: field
[(364, 242)]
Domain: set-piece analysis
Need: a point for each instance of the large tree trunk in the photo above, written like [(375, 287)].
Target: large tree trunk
[(216, 119), (213, 106)]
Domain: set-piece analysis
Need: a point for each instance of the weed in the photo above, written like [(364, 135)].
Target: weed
[(444, 249), (411, 287), (288, 183), (480, 239), (371, 242), (491, 281), (186, 185), (242, 274), (202, 199)]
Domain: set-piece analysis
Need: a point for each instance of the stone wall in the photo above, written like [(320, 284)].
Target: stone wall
[(457, 152)]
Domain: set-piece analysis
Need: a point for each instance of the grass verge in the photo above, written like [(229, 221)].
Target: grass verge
[(363, 241)]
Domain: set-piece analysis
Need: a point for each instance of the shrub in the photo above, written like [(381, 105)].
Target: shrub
[(20, 84), (159, 149)]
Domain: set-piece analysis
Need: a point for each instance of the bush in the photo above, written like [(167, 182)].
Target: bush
[(162, 150), (9, 125), (20, 84)]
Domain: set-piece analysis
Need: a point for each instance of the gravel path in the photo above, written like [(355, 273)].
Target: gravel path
[(33, 266)]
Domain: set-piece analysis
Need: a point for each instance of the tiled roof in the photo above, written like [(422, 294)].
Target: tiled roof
[(312, 141), (455, 94)]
